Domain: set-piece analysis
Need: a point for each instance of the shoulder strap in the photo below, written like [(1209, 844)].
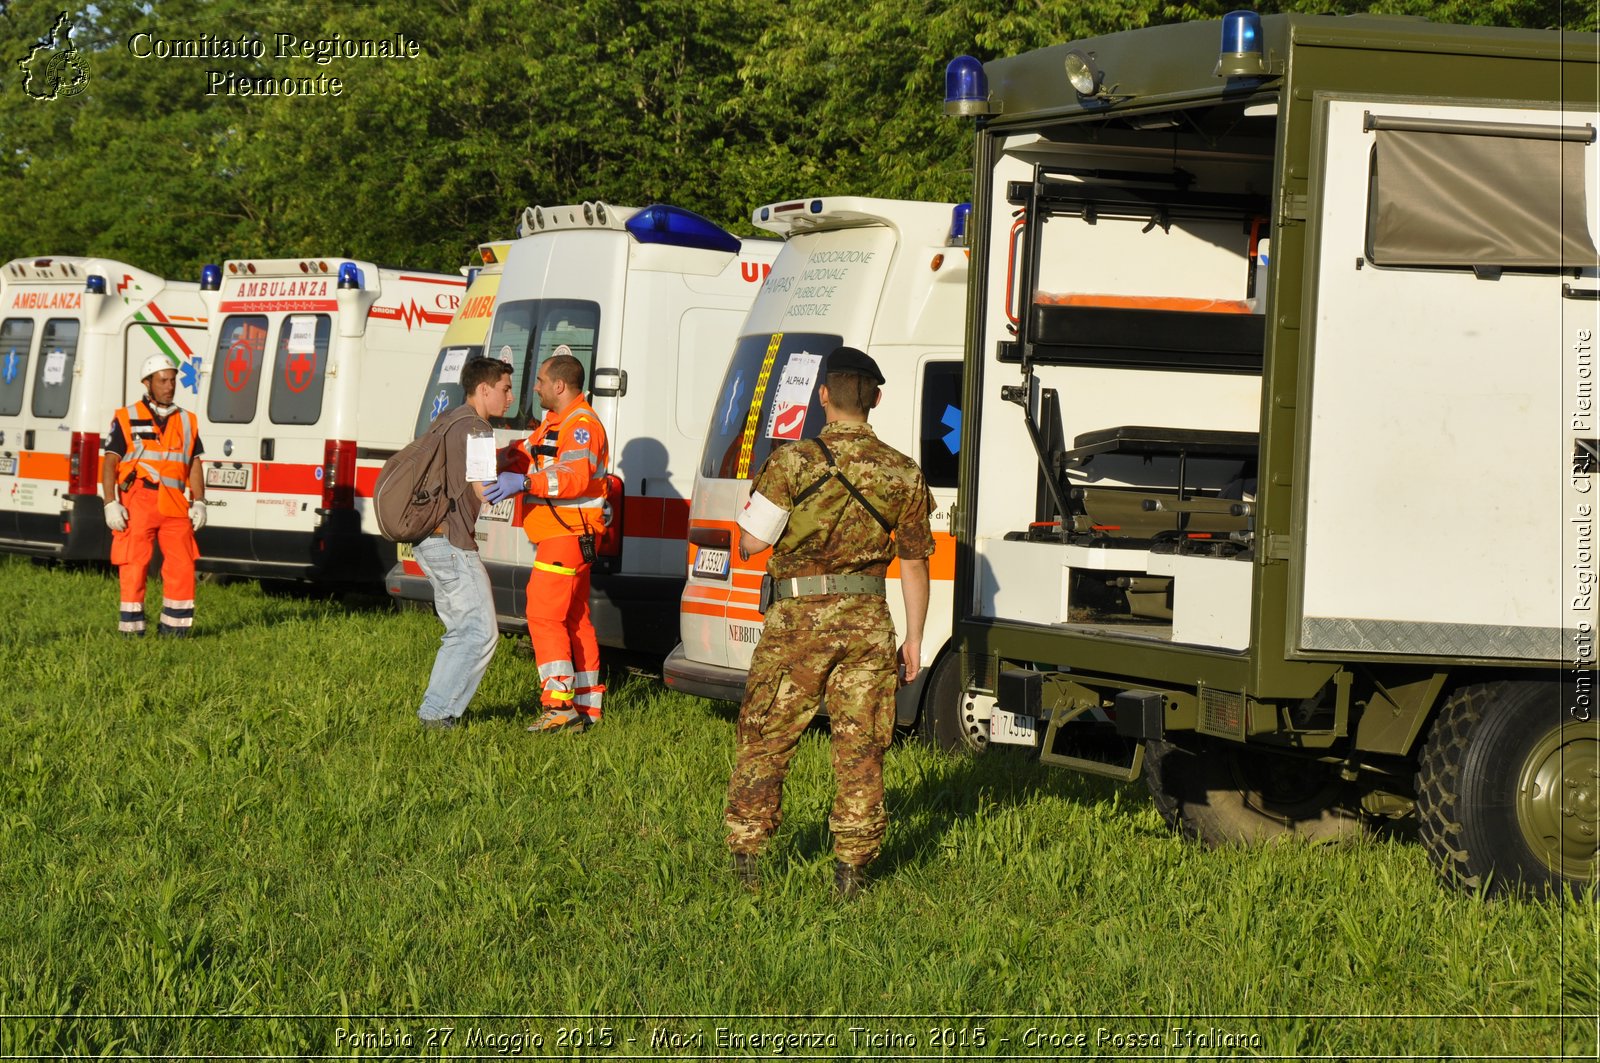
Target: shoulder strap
[(833, 473)]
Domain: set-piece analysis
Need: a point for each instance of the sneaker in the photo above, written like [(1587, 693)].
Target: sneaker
[(570, 720), (848, 880), (747, 870), (442, 723)]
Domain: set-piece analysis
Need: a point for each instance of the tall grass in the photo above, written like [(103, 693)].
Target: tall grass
[(245, 844)]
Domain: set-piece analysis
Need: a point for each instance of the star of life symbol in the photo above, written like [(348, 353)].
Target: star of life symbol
[(53, 68), (441, 403), (581, 436)]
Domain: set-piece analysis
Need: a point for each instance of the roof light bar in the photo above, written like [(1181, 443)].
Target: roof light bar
[(677, 227)]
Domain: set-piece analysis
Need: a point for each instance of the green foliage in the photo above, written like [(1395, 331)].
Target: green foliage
[(718, 106), (252, 824)]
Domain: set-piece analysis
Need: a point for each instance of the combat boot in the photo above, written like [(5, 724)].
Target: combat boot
[(848, 880), (746, 868)]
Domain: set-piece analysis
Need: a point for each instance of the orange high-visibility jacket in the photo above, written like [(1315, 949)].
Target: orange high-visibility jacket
[(567, 463), (161, 457)]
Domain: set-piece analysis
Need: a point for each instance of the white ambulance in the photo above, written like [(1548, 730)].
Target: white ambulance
[(316, 370), (650, 301), (888, 277), (73, 332)]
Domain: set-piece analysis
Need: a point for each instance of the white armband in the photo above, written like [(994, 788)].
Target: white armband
[(763, 517)]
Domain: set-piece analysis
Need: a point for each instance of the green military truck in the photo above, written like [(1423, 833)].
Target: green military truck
[(1277, 466)]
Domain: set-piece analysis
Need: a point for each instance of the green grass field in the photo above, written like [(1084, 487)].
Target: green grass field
[(244, 844)]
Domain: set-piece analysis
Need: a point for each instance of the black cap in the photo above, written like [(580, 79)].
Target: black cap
[(850, 360)]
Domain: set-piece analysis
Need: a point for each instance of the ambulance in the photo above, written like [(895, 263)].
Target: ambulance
[(73, 333), (885, 276), (314, 373), (649, 300), (1278, 459)]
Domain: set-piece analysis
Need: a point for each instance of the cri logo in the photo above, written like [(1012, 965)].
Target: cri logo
[(297, 374), (240, 364)]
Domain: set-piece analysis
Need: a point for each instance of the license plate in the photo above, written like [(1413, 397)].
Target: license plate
[(8, 466), (711, 562), (1012, 729), (403, 552), (235, 477)]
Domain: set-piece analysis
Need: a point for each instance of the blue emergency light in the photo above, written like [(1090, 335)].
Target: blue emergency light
[(1241, 52), (94, 285), (677, 227), (350, 275), (966, 87), (210, 277), (958, 223)]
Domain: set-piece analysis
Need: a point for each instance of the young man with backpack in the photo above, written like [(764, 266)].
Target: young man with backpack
[(449, 556)]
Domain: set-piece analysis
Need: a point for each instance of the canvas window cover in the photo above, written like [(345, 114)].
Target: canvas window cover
[(1478, 194)]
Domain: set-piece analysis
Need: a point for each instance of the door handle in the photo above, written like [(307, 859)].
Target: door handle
[(1569, 292), (268, 449), (27, 439)]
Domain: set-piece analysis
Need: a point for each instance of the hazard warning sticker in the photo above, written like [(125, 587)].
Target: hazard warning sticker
[(793, 397)]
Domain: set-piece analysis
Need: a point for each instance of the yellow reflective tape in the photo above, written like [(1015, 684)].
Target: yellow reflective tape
[(559, 695), (560, 570), (747, 442)]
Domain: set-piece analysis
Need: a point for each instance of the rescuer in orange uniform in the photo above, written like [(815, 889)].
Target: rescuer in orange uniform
[(152, 456), (564, 502)]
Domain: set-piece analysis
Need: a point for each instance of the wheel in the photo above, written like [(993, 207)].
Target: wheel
[(1224, 794), (945, 720), (1508, 790)]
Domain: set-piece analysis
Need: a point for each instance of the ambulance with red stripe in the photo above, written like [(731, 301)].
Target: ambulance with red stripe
[(649, 300), (888, 277), (73, 333), (316, 367)]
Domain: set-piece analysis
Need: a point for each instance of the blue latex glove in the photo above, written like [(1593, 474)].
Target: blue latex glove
[(505, 485)]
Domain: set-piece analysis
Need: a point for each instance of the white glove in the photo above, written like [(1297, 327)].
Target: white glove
[(197, 514), (116, 516)]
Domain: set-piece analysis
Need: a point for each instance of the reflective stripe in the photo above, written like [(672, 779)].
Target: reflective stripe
[(177, 611), (588, 455), (553, 482), (555, 668), (587, 679), (559, 695), (560, 570), (131, 625), (588, 701)]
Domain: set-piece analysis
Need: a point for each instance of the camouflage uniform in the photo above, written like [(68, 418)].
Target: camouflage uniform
[(841, 645)]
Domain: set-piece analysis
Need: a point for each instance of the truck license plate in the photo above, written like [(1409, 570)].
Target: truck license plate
[(711, 562), (8, 465), (1012, 729), (235, 477)]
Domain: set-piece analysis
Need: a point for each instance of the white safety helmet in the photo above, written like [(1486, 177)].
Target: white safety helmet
[(153, 365)]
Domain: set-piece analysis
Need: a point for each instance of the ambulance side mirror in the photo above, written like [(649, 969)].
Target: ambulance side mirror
[(610, 382)]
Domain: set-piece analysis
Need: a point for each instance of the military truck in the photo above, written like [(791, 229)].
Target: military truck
[(1277, 480)]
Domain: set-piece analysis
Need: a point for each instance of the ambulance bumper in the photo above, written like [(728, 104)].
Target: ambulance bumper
[(703, 680)]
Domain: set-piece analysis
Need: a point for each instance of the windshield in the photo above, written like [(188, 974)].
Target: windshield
[(768, 396), (444, 384)]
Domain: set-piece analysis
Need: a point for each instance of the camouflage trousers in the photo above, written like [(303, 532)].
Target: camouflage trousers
[(789, 674)]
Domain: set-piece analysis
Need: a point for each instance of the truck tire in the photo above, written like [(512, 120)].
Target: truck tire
[(1508, 790), (944, 721), (1224, 794)]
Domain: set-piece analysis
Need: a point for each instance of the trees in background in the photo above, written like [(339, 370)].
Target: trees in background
[(715, 105)]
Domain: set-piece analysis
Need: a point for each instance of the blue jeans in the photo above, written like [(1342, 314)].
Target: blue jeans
[(464, 602)]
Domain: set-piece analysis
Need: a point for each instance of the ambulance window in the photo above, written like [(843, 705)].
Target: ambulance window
[(940, 432), (444, 385), (528, 331), (16, 337), (236, 378), (52, 380), (299, 370), (764, 402)]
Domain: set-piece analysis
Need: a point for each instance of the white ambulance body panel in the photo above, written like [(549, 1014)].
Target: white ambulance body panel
[(649, 301), (884, 276), (73, 334), (318, 368)]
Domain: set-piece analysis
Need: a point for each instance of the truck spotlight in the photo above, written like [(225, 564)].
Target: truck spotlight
[(210, 277), (966, 87), (94, 284), (1082, 73), (1241, 46)]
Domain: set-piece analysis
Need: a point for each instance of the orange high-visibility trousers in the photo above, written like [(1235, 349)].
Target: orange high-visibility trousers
[(131, 551), (564, 643)]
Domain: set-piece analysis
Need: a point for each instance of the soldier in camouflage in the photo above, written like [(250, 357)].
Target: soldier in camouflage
[(836, 510)]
